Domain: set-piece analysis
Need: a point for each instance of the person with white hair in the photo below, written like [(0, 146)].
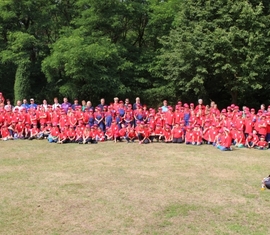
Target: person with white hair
[(200, 108)]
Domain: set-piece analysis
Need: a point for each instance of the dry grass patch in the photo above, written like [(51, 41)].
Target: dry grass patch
[(131, 189)]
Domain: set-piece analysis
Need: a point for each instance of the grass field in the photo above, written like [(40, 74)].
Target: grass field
[(131, 189)]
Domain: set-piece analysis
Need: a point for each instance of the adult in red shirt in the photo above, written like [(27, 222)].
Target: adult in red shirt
[(200, 108)]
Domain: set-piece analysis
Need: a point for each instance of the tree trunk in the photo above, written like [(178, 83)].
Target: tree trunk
[(234, 95)]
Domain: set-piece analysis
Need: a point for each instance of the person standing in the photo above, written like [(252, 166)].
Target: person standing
[(137, 103), (32, 104), (8, 106), (65, 105), (75, 104), (102, 104), (165, 106), (55, 104), (25, 104)]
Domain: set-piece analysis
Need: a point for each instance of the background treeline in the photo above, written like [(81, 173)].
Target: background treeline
[(175, 49)]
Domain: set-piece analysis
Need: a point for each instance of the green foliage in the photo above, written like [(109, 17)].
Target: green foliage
[(22, 81), (149, 48), (221, 43)]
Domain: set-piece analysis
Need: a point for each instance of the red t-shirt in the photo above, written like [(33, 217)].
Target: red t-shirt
[(177, 132)]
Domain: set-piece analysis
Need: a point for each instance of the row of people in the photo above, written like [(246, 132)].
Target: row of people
[(246, 121), (221, 137)]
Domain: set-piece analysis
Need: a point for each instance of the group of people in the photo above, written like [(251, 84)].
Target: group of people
[(122, 121)]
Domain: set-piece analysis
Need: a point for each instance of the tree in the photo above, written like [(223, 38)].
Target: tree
[(27, 28), (216, 45), (109, 48)]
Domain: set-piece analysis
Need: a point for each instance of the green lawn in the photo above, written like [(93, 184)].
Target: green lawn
[(131, 189)]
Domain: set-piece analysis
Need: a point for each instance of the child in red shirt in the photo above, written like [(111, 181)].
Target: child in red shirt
[(167, 134), (189, 135), (177, 134), (34, 132), (262, 144), (197, 135), (108, 133)]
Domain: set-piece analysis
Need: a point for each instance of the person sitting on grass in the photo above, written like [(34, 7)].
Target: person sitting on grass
[(71, 135), (225, 140), (250, 142), (145, 135), (197, 135), (262, 144), (63, 135), (47, 129), (239, 141), (108, 133), (79, 132), (167, 134), (139, 130), (34, 132), (189, 135), (100, 136), (40, 135), (213, 132), (159, 133), (93, 135), (177, 134), (131, 135), (53, 137), (19, 130), (27, 129), (122, 133), (206, 133), (5, 133)]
